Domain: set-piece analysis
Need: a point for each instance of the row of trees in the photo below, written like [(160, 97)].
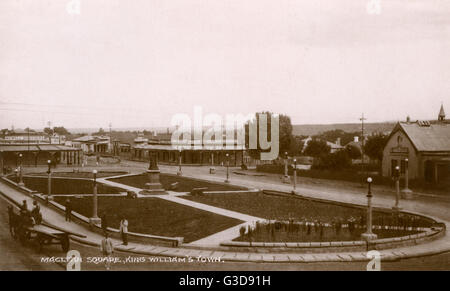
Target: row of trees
[(60, 130), (341, 159), (318, 147)]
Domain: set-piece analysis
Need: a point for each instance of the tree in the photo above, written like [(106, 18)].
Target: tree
[(296, 146), (60, 130), (374, 146), (317, 148), (286, 139), (101, 131), (4, 131), (48, 130), (353, 151)]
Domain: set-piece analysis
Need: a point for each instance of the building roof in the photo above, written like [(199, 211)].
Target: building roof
[(333, 145), (91, 138), (427, 137), (35, 148)]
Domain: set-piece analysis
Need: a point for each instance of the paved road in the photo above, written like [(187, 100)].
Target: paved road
[(14, 256)]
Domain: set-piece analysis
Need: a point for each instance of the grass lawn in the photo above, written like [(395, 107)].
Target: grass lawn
[(185, 184), (155, 216), (67, 186), (283, 207), (87, 175)]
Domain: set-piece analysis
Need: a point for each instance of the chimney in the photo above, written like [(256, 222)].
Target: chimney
[(356, 139), (408, 119), (338, 141)]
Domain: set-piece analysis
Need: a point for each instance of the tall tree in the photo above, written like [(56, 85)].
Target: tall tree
[(374, 146), (317, 148), (286, 139), (353, 151), (60, 130), (48, 130)]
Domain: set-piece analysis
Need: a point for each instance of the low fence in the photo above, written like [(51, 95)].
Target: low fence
[(336, 246)]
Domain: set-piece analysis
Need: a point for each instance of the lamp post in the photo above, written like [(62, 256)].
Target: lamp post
[(212, 170), (20, 171), (286, 175), (295, 174), (94, 219), (227, 180), (406, 191), (179, 172), (49, 173), (396, 207), (369, 235)]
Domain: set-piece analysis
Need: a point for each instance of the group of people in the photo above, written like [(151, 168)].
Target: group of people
[(31, 217)]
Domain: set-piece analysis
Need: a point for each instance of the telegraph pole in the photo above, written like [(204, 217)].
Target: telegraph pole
[(362, 141)]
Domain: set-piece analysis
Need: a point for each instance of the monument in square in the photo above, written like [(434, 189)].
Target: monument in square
[(153, 186)]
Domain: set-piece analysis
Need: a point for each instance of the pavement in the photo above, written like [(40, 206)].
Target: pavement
[(435, 209)]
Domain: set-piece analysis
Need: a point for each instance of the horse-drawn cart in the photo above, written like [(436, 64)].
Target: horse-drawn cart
[(23, 229)]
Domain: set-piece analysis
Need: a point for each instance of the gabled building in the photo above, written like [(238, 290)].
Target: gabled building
[(93, 144), (426, 145)]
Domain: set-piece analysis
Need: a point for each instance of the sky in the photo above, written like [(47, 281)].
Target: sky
[(138, 63)]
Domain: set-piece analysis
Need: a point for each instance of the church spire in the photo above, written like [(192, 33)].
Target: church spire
[(441, 116)]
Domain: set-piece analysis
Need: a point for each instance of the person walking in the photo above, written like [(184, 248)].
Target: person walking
[(36, 212), (68, 210), (124, 230), (107, 250), (24, 207)]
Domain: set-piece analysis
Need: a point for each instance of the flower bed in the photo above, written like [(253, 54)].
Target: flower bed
[(63, 186), (155, 216)]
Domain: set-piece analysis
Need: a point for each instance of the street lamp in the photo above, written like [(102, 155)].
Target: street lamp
[(295, 174), (369, 235), (286, 176), (228, 165), (49, 173), (407, 192), (179, 173), (20, 171), (94, 219), (396, 207)]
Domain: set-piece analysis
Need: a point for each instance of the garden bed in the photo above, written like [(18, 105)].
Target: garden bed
[(87, 175), (302, 211), (63, 186), (185, 184), (287, 206), (155, 216)]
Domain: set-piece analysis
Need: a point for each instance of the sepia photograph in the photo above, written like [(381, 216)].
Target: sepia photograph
[(224, 137)]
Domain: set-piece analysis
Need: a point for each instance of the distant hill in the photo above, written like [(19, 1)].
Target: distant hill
[(313, 129)]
